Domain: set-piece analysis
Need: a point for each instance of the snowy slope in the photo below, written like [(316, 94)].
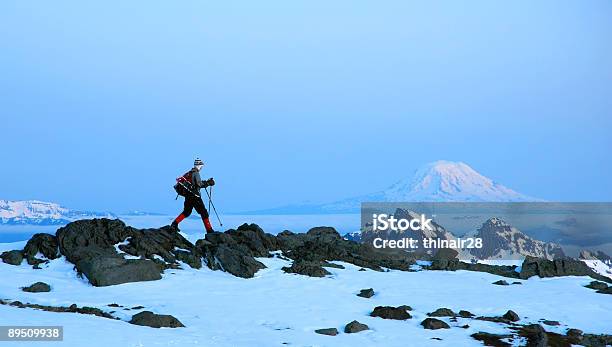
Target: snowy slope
[(277, 309), (41, 213), (599, 261)]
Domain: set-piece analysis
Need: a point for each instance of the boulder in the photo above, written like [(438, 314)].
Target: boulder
[(442, 312), (465, 314), (308, 268), (38, 287), (327, 331), (355, 327), (558, 267), (511, 316), (390, 312), (110, 270), (12, 257), (150, 319), (223, 255), (597, 285), (366, 293), (605, 291), (536, 335), (501, 283), (492, 339), (434, 324), (45, 244)]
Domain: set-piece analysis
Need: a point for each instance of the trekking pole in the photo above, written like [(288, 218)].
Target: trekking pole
[(210, 198), (213, 206)]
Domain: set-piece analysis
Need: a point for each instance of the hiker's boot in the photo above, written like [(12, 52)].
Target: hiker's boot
[(176, 222), (207, 225)]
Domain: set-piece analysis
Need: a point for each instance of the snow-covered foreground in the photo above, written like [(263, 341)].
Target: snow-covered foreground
[(276, 308)]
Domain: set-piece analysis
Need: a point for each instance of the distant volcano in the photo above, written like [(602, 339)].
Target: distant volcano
[(439, 181)]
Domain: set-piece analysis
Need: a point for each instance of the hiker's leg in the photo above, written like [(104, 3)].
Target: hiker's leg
[(187, 208), (199, 206)]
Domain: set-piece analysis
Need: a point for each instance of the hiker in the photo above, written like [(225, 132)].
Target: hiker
[(189, 186)]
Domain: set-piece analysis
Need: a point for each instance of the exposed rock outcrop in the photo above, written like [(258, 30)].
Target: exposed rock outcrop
[(558, 267), (434, 324), (150, 319), (108, 252), (12, 257), (390, 312), (366, 293), (327, 331), (308, 268), (38, 287), (355, 327)]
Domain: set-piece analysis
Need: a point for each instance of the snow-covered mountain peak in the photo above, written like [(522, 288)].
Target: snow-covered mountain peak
[(450, 181), (503, 241), (41, 213)]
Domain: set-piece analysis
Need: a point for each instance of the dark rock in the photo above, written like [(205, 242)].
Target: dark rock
[(574, 332), (72, 309), (355, 327), (223, 254), (597, 285), (605, 291), (327, 331), (46, 244), (405, 307), (150, 319), (38, 287), (516, 282), (433, 323), (465, 314), (90, 245), (137, 307), (12, 257), (501, 283), (494, 340), (596, 340), (558, 267), (325, 244), (390, 312), (511, 316), (366, 293), (442, 312), (308, 268), (109, 270), (535, 335), (362, 269), (113, 305), (465, 326), (456, 264), (257, 241), (551, 322), (332, 265)]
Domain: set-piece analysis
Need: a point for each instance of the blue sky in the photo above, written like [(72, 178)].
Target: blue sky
[(103, 104)]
